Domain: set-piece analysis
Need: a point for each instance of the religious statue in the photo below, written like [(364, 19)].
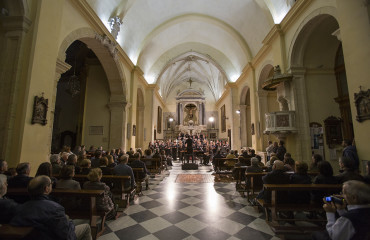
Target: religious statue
[(190, 111)]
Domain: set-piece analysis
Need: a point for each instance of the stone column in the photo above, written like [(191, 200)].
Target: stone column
[(243, 125), (262, 109), (61, 67), (117, 124), (14, 30), (303, 137), (140, 127), (354, 23)]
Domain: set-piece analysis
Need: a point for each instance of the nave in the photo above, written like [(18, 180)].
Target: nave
[(174, 211)]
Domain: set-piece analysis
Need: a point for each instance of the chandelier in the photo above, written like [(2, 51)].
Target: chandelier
[(73, 84)]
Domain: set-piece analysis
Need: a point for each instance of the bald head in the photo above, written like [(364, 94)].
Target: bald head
[(278, 165), (39, 186)]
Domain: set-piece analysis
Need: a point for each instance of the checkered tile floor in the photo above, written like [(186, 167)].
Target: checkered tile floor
[(174, 211)]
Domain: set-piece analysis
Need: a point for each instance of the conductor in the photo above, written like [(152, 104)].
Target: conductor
[(189, 148)]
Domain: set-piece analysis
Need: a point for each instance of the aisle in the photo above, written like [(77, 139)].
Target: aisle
[(189, 211)]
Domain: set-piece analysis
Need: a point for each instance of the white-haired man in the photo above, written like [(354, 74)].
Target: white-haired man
[(352, 224)]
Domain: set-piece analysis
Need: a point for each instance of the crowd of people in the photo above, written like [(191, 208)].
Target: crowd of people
[(41, 210)]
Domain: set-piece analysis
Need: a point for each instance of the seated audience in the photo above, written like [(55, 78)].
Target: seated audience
[(104, 166), (8, 207), (137, 163), (353, 223), (111, 162), (230, 154), (95, 161), (85, 166), (260, 163), (276, 176), (255, 166), (3, 166), (64, 158), (105, 202), (72, 161), (22, 179), (347, 165), (325, 176), (289, 164), (66, 181), (270, 163), (47, 170), (300, 177), (122, 169), (243, 162), (46, 216), (316, 158), (55, 163)]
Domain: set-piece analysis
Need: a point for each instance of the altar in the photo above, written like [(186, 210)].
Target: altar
[(190, 111)]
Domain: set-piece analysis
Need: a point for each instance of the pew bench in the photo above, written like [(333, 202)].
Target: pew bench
[(154, 165), (275, 207), (9, 232), (138, 180), (116, 184)]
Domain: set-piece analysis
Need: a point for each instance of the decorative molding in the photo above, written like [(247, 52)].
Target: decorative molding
[(115, 26), (15, 23), (62, 66), (117, 105), (111, 45)]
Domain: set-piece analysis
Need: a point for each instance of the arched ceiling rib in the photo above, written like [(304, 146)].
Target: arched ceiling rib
[(154, 33)]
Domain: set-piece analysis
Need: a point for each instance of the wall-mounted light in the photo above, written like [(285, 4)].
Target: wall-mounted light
[(237, 111), (170, 119), (211, 119)]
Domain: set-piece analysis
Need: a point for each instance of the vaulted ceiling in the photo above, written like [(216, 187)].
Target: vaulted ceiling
[(209, 41)]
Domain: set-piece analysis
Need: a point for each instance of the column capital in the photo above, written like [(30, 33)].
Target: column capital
[(15, 23), (121, 105), (62, 66)]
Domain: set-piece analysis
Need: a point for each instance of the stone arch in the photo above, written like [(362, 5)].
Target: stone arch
[(313, 49), (104, 49), (301, 36)]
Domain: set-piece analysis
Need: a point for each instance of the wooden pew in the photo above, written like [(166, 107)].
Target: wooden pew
[(87, 196), (116, 184), (155, 165), (138, 180), (276, 207), (254, 183), (121, 195), (220, 165), (9, 232)]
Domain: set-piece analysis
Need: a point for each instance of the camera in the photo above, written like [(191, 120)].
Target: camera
[(334, 199)]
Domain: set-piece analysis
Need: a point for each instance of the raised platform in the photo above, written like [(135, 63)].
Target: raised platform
[(189, 166)]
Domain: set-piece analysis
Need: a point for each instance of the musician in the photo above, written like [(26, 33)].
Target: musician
[(189, 147)]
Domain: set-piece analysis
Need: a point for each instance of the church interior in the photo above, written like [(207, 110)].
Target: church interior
[(127, 73)]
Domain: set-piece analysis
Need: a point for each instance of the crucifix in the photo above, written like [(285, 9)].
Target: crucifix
[(190, 81)]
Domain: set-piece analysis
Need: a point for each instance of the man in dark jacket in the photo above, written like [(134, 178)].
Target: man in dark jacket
[(137, 163), (122, 169), (280, 152), (20, 181), (350, 152), (46, 216), (276, 176)]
